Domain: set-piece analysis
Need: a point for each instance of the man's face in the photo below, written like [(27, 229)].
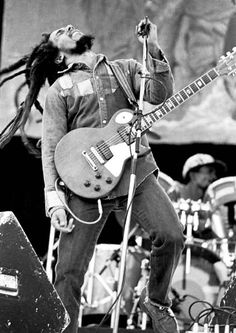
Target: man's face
[(204, 176), (66, 38)]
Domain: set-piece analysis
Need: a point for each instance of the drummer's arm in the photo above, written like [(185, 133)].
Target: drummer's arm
[(174, 192)]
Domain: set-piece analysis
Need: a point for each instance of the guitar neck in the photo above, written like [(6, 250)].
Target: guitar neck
[(179, 98)]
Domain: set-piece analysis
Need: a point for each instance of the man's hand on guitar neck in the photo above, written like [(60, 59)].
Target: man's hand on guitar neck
[(60, 221)]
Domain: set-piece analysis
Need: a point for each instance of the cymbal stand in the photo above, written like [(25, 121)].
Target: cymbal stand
[(132, 184), (192, 224), (188, 241)]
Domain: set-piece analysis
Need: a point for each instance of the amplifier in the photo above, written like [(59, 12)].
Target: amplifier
[(28, 301)]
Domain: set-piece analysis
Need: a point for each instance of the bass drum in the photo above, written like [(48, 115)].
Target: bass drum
[(201, 283)]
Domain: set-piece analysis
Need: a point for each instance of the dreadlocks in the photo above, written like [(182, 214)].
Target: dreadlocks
[(39, 66)]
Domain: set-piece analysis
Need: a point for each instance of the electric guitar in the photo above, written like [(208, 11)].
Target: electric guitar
[(90, 161)]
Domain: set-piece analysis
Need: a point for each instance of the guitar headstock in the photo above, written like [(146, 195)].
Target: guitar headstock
[(227, 64)]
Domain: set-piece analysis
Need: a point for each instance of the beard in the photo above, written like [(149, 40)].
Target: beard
[(84, 44)]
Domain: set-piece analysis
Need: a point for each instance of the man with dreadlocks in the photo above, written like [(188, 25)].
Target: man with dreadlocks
[(39, 67), (87, 93)]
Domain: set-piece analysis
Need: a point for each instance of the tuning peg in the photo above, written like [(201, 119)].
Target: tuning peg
[(234, 49)]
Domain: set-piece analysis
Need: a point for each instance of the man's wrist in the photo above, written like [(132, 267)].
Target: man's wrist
[(52, 210), (54, 199), (155, 51)]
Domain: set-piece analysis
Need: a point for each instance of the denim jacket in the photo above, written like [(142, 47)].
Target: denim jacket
[(88, 98)]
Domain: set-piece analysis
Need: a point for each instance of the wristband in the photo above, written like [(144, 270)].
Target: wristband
[(53, 209)]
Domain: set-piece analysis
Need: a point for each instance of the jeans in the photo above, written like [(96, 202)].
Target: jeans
[(153, 210)]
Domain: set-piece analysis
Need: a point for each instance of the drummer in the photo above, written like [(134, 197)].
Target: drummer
[(199, 171)]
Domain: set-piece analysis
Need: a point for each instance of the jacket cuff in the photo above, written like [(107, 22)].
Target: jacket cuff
[(159, 66), (54, 198)]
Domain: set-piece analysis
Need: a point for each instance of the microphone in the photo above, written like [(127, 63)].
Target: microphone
[(144, 28)]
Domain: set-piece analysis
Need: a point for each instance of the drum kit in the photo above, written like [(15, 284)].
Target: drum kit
[(204, 270)]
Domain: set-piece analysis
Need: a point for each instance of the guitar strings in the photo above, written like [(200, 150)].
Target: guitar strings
[(116, 138), (104, 146)]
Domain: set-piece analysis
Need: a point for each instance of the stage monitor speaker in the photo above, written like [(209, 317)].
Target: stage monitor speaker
[(28, 301)]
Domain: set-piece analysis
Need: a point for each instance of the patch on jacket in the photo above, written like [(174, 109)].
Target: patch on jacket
[(85, 87), (65, 82)]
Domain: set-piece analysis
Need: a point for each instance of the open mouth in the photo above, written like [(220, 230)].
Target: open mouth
[(76, 35)]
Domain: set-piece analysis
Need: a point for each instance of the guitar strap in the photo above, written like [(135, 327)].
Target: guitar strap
[(121, 78)]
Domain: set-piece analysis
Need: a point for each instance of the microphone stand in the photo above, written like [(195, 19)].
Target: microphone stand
[(132, 186)]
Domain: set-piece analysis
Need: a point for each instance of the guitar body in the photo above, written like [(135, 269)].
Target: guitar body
[(90, 161)]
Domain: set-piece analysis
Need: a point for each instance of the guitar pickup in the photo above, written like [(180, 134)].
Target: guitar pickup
[(104, 151)]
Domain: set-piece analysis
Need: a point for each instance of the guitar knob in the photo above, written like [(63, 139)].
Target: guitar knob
[(87, 183), (109, 180), (98, 175), (97, 188)]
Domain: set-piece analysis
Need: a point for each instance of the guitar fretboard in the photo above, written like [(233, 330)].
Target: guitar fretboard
[(178, 98)]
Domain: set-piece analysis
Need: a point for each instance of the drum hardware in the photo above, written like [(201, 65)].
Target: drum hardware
[(188, 211), (94, 280), (192, 224), (225, 248), (193, 208), (182, 207), (99, 289)]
